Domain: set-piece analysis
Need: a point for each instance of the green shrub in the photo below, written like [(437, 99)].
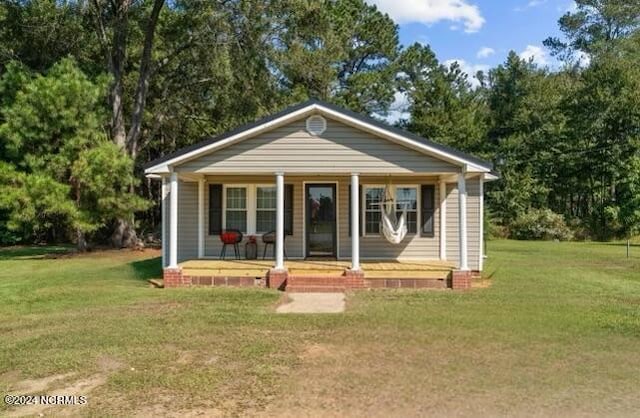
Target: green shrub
[(541, 224)]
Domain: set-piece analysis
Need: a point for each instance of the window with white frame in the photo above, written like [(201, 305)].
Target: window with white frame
[(405, 196), (236, 208), (265, 209), (373, 197)]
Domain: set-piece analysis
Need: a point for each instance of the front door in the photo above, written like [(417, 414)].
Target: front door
[(320, 215)]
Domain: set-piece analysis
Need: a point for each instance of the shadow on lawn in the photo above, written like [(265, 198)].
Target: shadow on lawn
[(150, 268), (33, 252)]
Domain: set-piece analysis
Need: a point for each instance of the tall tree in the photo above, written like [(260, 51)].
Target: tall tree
[(595, 26), (59, 153), (443, 106)]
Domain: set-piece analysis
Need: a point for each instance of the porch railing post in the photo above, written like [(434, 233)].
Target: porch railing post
[(173, 221), (279, 221), (163, 204), (355, 222), (201, 182), (443, 218), (462, 215)]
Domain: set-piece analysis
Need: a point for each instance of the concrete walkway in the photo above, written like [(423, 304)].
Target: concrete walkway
[(313, 303)]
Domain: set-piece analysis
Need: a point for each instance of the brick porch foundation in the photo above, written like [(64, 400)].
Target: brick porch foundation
[(354, 279), (461, 280), (277, 279), (350, 280), (173, 278)]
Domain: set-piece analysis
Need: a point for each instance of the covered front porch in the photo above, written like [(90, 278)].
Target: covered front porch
[(325, 229)]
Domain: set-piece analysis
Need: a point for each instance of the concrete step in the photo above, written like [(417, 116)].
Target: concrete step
[(315, 289), (298, 280)]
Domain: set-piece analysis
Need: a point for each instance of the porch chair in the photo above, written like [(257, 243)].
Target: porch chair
[(230, 237), (270, 239)]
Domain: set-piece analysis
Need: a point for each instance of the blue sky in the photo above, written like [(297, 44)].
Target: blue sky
[(478, 33)]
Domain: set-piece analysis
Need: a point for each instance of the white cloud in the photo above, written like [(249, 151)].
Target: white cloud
[(470, 69), (531, 4), (432, 11), (399, 109), (538, 54), (485, 52)]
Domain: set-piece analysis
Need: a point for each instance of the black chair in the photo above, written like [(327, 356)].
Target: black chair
[(270, 239), (230, 237)]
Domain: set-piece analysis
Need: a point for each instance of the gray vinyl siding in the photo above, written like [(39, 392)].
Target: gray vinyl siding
[(413, 246), (293, 243), (371, 247), (187, 221), (340, 149)]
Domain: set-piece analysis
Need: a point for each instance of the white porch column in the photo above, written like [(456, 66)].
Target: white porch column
[(443, 219), (201, 217), (279, 221), (355, 222), (173, 221), (462, 215), (163, 219), (481, 250)]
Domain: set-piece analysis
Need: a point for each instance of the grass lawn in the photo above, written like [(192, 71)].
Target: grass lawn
[(556, 333)]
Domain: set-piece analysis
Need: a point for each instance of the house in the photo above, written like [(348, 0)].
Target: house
[(316, 175)]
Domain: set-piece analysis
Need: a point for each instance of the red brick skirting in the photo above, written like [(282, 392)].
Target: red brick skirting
[(277, 279), (461, 280), (405, 283), (354, 279), (350, 280), (173, 278), (224, 281)]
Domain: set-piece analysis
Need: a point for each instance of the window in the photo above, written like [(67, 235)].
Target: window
[(373, 198), (404, 196), (265, 209), (407, 197), (236, 208)]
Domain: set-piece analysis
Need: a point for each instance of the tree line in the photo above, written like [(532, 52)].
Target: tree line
[(91, 90)]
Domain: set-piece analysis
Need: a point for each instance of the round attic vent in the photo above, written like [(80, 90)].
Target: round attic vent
[(316, 124)]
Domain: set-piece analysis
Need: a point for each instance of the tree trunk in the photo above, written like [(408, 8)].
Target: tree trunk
[(144, 76), (81, 241), (124, 235)]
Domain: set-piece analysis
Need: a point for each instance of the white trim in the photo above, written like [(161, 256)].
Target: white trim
[(246, 204), (394, 188), (201, 185), (279, 265), (355, 218), (481, 248), (173, 221), (251, 205), (462, 222), (164, 193), (255, 205), (442, 194), (304, 215), (320, 119), (164, 167)]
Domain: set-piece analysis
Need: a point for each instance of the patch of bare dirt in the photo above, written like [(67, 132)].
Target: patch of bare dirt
[(59, 384)]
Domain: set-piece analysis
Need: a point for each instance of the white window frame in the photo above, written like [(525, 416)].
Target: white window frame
[(393, 191), (255, 207), (251, 205)]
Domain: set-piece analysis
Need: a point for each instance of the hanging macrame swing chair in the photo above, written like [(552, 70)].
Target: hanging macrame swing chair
[(394, 229)]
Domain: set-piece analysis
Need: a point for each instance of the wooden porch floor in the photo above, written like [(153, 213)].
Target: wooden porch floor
[(373, 269)]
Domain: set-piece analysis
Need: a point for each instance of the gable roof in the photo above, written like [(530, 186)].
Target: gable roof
[(161, 165)]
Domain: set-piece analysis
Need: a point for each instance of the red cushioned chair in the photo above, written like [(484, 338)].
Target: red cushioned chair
[(230, 237)]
